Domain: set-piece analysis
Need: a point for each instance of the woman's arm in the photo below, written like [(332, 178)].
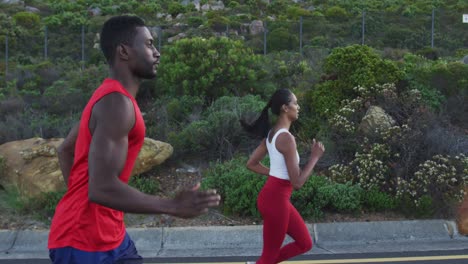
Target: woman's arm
[(286, 144), (254, 164)]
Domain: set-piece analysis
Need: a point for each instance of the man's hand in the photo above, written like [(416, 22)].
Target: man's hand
[(193, 202)]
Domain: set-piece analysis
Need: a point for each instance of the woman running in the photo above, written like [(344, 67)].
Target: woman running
[(279, 215)]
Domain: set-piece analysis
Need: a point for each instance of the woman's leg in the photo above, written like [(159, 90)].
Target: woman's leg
[(298, 231), (274, 211)]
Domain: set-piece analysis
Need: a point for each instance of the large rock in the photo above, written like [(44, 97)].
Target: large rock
[(176, 37), (376, 118), (152, 153), (465, 60), (256, 27), (219, 5), (32, 164)]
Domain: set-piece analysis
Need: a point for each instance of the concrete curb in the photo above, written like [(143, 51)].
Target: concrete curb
[(356, 232), (247, 240)]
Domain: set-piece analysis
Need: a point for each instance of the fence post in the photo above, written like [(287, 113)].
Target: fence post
[(264, 38), (45, 43), (82, 47), (432, 29), (300, 36), (363, 27), (6, 57)]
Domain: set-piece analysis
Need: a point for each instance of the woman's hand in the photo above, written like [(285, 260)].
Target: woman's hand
[(317, 150)]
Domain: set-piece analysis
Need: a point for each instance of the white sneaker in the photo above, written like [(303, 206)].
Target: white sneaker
[(250, 262)]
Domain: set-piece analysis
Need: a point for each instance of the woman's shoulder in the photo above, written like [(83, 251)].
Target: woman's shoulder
[(283, 135)]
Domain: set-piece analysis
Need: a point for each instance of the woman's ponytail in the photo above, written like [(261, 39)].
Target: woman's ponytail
[(261, 126)]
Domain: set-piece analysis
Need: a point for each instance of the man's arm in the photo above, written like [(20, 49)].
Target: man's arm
[(112, 119), (66, 152)]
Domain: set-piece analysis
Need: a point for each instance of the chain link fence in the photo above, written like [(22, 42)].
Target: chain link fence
[(442, 30)]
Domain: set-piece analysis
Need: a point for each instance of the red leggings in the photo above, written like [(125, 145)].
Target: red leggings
[(280, 218)]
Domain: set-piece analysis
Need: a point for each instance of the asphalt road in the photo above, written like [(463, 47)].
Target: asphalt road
[(429, 257)]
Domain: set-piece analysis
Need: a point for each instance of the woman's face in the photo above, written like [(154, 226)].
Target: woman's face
[(292, 109)]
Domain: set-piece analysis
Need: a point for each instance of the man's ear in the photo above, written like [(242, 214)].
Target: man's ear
[(122, 52)]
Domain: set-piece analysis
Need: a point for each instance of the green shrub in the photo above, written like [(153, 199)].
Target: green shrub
[(429, 53), (183, 110), (218, 23), (218, 133), (2, 168), (144, 184), (148, 9), (319, 194), (195, 21), (424, 209), (27, 20), (10, 199), (278, 6), (305, 200), (436, 80), (375, 200), (208, 68), (346, 68), (175, 8), (282, 39), (341, 197), (442, 179), (336, 13), (295, 12), (460, 53), (233, 4), (359, 65), (43, 206), (237, 186)]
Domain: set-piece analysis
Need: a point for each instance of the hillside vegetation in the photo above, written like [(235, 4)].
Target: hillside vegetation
[(222, 60)]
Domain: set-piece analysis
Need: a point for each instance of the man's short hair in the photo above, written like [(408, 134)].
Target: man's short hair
[(118, 30)]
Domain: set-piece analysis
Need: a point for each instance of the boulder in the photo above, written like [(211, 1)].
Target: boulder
[(196, 3), (256, 27), (217, 6), (95, 11), (176, 37), (152, 153), (375, 118), (32, 9), (32, 164), (205, 7), (465, 60)]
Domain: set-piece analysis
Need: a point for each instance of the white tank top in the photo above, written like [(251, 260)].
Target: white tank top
[(278, 166)]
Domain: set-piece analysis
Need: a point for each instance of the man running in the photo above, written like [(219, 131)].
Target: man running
[(97, 157)]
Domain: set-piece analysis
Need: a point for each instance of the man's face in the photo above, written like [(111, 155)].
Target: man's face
[(144, 59)]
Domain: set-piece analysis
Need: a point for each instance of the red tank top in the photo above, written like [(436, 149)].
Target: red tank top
[(77, 222)]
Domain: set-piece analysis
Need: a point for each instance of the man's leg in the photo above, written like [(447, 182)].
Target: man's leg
[(69, 255), (127, 253)]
